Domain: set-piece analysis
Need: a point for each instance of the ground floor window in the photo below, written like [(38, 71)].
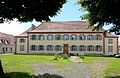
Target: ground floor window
[(73, 48), (49, 47), (41, 47), (82, 48), (110, 48), (21, 47), (98, 48), (10, 49), (33, 47), (58, 48), (90, 48)]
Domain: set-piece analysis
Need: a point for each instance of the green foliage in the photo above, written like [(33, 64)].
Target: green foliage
[(27, 10), (65, 56), (103, 12)]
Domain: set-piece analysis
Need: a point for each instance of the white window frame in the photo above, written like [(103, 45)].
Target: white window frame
[(22, 48)]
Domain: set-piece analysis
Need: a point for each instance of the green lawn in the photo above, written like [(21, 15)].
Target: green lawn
[(107, 66), (111, 65)]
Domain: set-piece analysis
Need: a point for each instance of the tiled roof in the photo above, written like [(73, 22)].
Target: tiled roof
[(69, 26), (6, 38), (110, 35), (30, 29)]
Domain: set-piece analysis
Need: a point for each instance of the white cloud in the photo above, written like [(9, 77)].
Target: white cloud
[(15, 28)]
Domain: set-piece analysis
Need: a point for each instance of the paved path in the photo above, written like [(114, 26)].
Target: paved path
[(75, 59), (78, 70)]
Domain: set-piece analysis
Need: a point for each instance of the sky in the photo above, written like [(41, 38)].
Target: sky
[(70, 12)]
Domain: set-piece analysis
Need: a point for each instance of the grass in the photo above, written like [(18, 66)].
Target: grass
[(20, 65), (112, 65)]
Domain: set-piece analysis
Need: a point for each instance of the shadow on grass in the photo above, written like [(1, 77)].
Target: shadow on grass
[(27, 75), (112, 77), (47, 75), (18, 75)]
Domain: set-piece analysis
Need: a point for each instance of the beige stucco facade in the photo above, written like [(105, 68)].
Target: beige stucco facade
[(99, 47)]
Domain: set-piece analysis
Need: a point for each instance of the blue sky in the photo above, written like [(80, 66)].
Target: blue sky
[(69, 12)]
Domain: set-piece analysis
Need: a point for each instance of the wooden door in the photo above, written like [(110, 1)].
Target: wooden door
[(66, 49)]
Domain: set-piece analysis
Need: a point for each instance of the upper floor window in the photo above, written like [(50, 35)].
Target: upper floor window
[(110, 48), (58, 48), (33, 37), (110, 41), (73, 37), (49, 37), (41, 47), (41, 37), (82, 37), (21, 47), (22, 40), (98, 48), (57, 37), (73, 48), (49, 47), (82, 48), (90, 37), (65, 37), (90, 48), (33, 47), (98, 37)]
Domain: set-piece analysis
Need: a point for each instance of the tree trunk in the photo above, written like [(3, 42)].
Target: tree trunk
[(1, 71)]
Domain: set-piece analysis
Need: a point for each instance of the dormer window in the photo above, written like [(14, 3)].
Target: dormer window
[(3, 41), (8, 42)]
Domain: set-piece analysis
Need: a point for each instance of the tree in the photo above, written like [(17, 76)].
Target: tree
[(1, 71), (27, 10), (102, 12)]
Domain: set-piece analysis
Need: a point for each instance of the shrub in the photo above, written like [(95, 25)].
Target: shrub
[(65, 56)]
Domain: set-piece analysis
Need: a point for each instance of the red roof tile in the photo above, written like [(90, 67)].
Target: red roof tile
[(7, 38), (69, 26)]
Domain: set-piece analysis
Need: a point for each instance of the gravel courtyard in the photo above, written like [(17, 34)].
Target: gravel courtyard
[(77, 70)]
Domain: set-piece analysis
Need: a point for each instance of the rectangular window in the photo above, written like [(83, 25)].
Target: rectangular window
[(58, 48), (73, 48), (82, 37), (65, 37), (22, 40), (33, 37), (82, 48), (98, 37), (74, 37), (6, 49), (90, 37), (21, 47), (49, 48), (41, 48), (10, 49), (98, 48), (50, 37), (90, 48), (110, 41), (33, 48), (110, 48), (41, 37), (57, 37)]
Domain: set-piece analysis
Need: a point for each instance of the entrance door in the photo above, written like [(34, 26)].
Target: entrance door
[(66, 49)]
